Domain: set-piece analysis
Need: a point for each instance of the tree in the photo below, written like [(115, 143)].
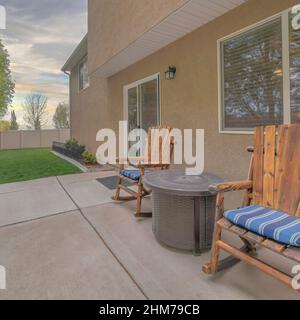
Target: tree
[(13, 121), (7, 86), (35, 109), (4, 125), (61, 118)]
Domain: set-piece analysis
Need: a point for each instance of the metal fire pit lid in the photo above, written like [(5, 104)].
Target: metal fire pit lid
[(177, 183)]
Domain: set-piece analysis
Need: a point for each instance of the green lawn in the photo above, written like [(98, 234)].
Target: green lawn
[(29, 164)]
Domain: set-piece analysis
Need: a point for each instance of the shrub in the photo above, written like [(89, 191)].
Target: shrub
[(4, 126), (73, 146), (89, 157)]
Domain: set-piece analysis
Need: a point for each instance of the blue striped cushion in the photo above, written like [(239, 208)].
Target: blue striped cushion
[(132, 174), (267, 222)]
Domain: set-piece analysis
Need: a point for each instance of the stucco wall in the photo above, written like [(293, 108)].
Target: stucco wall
[(189, 101), (88, 109), (114, 24)]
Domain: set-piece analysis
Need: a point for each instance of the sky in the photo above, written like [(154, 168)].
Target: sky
[(40, 35)]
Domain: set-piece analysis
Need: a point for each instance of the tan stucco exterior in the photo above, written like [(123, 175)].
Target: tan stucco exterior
[(114, 24), (189, 101), (89, 110)]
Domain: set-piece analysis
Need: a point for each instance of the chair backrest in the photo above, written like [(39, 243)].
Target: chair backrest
[(276, 168), (160, 146)]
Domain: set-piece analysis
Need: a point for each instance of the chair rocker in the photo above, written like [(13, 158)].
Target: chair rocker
[(270, 215), (142, 165)]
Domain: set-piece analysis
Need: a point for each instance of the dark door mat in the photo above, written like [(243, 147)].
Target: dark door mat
[(110, 182)]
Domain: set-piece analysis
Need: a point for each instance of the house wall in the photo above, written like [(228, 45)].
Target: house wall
[(114, 24), (88, 109), (189, 101)]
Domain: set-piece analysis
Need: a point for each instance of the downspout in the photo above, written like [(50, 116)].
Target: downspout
[(69, 75)]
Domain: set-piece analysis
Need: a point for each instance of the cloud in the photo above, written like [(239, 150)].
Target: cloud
[(40, 36)]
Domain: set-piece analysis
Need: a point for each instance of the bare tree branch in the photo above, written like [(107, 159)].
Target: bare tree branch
[(35, 108)]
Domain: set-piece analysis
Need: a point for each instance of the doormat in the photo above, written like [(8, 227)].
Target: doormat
[(110, 182)]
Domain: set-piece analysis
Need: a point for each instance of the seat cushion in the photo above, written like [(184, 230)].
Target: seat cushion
[(272, 224), (132, 174)]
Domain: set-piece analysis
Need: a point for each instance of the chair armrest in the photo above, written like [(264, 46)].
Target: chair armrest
[(136, 159), (150, 166), (231, 186), (131, 160)]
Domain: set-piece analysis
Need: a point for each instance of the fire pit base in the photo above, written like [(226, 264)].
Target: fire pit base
[(183, 209)]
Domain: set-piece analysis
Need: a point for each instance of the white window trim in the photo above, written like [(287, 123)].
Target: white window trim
[(284, 15), (286, 68), (127, 87), (84, 60)]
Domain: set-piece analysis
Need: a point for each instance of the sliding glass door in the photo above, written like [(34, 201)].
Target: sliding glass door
[(149, 104), (132, 108), (142, 103)]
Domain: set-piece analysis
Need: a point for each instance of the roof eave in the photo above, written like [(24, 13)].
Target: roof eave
[(78, 54)]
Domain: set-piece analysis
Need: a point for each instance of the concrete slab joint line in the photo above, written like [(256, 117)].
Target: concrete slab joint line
[(35, 219), (104, 242)]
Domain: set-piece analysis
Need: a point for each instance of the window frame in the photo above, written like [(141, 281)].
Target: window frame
[(81, 63), (284, 15), (137, 83)]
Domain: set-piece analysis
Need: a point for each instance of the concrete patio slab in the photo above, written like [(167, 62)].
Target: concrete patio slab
[(164, 273), (88, 193), (19, 186), (32, 199), (112, 255), (81, 177), (61, 257)]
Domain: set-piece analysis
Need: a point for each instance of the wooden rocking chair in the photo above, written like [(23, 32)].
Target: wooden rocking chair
[(273, 182), (164, 146)]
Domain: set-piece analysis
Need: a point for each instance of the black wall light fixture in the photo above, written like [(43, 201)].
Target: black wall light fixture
[(170, 73)]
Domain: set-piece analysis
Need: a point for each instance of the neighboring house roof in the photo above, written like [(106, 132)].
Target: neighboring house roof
[(78, 54)]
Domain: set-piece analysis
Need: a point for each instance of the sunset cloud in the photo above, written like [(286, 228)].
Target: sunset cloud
[(40, 36)]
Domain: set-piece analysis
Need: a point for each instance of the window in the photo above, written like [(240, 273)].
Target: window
[(83, 75), (142, 103), (294, 41), (260, 76)]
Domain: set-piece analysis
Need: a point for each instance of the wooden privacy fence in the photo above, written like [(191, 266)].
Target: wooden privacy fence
[(32, 139)]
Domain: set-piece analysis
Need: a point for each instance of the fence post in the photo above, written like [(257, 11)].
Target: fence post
[(1, 141), (21, 139)]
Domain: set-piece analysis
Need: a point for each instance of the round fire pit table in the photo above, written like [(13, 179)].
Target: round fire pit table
[(183, 209)]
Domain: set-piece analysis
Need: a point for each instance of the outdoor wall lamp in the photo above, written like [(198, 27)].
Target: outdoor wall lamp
[(170, 73), (278, 72)]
